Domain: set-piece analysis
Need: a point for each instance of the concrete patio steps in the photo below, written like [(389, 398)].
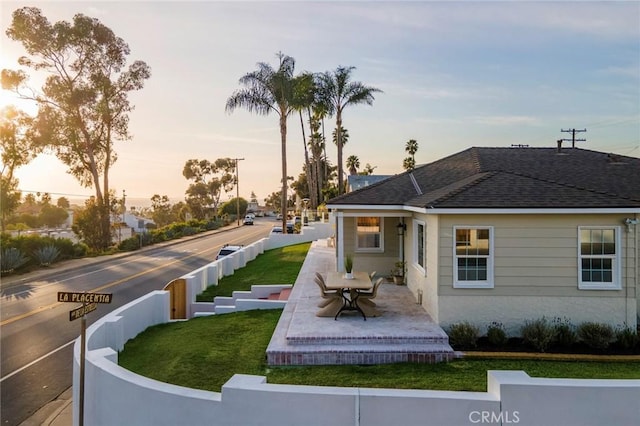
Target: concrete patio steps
[(361, 355), (403, 332), (282, 295), (368, 340)]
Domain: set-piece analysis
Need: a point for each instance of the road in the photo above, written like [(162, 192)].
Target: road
[(37, 335)]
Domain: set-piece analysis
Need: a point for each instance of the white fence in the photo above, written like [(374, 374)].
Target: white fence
[(116, 396), (197, 281)]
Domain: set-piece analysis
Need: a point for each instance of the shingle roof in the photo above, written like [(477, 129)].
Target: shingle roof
[(511, 178)]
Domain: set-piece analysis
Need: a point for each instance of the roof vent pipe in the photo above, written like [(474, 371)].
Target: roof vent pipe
[(559, 146)]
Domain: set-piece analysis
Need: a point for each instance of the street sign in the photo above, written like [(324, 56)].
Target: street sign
[(81, 311), (89, 303), (78, 297)]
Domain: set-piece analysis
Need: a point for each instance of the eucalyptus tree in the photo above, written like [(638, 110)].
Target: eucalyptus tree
[(209, 181), (83, 105), (16, 150), (411, 147), (268, 90), (338, 92)]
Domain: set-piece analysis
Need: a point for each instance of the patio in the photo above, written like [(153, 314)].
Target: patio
[(404, 332)]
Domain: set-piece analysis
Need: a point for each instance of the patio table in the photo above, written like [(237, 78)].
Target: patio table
[(349, 289)]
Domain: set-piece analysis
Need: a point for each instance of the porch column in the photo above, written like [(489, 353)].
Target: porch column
[(340, 242)]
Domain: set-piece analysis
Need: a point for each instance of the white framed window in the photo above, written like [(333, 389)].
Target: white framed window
[(599, 258), (473, 257), (369, 234), (419, 245)]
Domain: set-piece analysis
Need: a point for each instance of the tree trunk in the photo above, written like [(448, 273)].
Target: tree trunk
[(339, 143), (283, 142)]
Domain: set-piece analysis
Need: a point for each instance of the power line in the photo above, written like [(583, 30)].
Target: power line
[(573, 136)]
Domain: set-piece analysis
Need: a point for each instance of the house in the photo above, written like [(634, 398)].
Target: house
[(505, 234), (355, 182)]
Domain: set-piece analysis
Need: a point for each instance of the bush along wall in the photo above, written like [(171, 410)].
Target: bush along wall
[(557, 335)]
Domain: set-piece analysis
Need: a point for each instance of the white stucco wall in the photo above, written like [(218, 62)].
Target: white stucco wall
[(116, 396), (513, 311)]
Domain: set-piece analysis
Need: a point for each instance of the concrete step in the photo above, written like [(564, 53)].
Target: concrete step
[(361, 354), (372, 340)]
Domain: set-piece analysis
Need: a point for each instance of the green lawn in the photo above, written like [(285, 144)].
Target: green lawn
[(277, 266), (204, 353)]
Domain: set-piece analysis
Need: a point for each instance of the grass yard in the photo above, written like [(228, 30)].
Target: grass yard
[(203, 353), (277, 266)]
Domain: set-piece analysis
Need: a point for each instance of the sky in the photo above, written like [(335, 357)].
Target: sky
[(454, 75)]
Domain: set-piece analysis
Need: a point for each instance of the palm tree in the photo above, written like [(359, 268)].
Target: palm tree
[(304, 98), (338, 91), (265, 91), (411, 147), (409, 163), (353, 164), (343, 134)]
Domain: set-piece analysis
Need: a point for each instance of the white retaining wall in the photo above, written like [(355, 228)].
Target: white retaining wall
[(115, 396), (197, 281)]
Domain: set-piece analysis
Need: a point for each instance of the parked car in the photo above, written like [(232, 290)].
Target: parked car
[(290, 228), (276, 230), (227, 250), (248, 220), (279, 216)]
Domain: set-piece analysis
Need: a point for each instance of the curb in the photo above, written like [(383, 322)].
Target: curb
[(61, 415), (66, 265)]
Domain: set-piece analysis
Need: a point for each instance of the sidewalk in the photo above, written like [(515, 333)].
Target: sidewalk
[(58, 412)]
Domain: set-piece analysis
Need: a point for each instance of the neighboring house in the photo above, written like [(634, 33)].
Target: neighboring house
[(355, 182), (137, 223), (505, 234)]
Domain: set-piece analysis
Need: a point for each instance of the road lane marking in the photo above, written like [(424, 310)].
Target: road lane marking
[(35, 361), (108, 285)]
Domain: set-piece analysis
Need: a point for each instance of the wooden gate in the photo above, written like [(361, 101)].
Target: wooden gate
[(178, 298)]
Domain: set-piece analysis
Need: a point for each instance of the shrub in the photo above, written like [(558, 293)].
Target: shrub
[(463, 335), (189, 230), (80, 250), (496, 334), (626, 337), (46, 255), (12, 259), (565, 332), (596, 335), (129, 244), (538, 334)]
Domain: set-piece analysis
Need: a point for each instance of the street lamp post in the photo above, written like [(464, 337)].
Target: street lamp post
[(238, 190)]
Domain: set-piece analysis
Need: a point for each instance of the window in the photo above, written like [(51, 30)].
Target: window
[(598, 258), (369, 234), (419, 244), (473, 257)]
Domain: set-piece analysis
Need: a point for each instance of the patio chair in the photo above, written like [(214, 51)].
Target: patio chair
[(365, 301), (366, 296), (329, 296)]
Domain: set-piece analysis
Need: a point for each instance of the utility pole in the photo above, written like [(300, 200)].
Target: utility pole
[(238, 190), (573, 136)]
